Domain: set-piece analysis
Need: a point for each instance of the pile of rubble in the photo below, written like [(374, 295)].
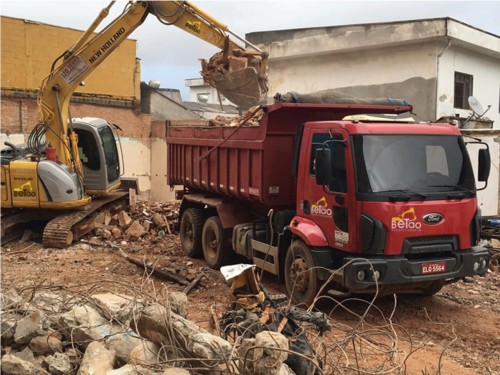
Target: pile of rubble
[(143, 221), (114, 334)]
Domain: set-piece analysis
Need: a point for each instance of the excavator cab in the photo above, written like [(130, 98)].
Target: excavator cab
[(98, 153)]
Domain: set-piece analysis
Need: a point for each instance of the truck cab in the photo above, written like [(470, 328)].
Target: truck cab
[(391, 206)]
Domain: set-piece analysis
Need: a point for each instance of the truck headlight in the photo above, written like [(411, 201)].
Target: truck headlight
[(361, 275)]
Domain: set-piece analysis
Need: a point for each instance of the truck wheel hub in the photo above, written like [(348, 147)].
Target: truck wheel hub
[(299, 275)]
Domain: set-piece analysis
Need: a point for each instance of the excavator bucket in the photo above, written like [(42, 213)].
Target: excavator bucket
[(241, 79)]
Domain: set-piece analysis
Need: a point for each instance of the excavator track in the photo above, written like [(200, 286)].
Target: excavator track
[(61, 231)]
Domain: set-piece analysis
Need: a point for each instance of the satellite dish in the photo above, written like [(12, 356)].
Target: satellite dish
[(154, 84), (476, 106)]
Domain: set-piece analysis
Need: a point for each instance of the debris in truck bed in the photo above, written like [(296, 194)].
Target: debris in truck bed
[(250, 118)]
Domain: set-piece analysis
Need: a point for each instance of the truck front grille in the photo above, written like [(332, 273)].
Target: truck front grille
[(429, 245)]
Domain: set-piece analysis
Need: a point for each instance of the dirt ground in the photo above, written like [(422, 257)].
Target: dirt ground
[(457, 331)]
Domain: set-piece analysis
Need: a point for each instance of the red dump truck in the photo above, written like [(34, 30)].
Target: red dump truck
[(347, 194)]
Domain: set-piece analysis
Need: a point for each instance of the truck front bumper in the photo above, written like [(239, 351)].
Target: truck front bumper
[(364, 273)]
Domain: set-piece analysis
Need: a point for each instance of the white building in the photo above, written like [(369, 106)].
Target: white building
[(200, 92), (436, 64)]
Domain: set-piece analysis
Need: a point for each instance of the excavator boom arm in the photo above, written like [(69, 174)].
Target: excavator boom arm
[(92, 49)]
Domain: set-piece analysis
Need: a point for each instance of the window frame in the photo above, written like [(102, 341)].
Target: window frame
[(466, 82)]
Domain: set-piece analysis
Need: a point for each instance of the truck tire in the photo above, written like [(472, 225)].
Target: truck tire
[(300, 275), (216, 249), (191, 231)]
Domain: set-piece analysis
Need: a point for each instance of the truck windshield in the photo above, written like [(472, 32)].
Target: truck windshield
[(418, 164)]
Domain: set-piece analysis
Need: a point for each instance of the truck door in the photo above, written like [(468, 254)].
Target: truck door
[(332, 206)]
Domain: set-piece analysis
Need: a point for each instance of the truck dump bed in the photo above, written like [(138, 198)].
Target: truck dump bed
[(250, 162)]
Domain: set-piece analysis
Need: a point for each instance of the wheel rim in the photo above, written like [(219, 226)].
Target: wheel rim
[(188, 233), (212, 244), (299, 276)]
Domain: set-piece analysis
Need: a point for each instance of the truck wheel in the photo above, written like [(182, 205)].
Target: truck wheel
[(300, 276), (190, 232), (216, 251)]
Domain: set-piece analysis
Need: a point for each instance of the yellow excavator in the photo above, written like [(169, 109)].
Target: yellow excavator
[(69, 162)]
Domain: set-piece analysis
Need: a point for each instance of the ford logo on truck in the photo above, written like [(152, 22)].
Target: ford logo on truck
[(433, 218)]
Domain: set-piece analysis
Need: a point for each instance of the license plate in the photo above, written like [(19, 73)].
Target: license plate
[(434, 267)]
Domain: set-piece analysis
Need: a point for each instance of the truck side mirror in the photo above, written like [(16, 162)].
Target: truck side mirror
[(484, 165), (323, 166)]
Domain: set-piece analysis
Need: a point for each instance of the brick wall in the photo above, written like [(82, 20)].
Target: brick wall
[(21, 115)]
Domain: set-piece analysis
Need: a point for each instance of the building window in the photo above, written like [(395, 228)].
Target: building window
[(463, 89)]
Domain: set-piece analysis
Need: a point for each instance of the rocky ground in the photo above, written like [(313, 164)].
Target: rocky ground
[(454, 332)]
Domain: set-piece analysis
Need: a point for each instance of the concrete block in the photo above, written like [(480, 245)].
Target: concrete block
[(162, 327), (59, 364), (123, 344), (117, 306), (12, 365), (84, 324), (135, 230), (146, 352), (124, 220), (29, 327), (132, 370), (47, 344), (177, 301), (175, 371), (96, 360)]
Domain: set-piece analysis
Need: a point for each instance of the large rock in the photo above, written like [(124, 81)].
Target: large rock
[(59, 364), (132, 370), (117, 306), (123, 344), (247, 354), (84, 324), (175, 371), (29, 327), (167, 328), (48, 302), (47, 344), (8, 328), (270, 353), (26, 355), (96, 360), (146, 353), (9, 299), (135, 230), (177, 301), (124, 220), (12, 365)]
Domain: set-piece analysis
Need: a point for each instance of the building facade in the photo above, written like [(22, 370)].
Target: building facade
[(435, 64)]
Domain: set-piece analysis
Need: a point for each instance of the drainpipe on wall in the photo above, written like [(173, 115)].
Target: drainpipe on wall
[(439, 55)]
